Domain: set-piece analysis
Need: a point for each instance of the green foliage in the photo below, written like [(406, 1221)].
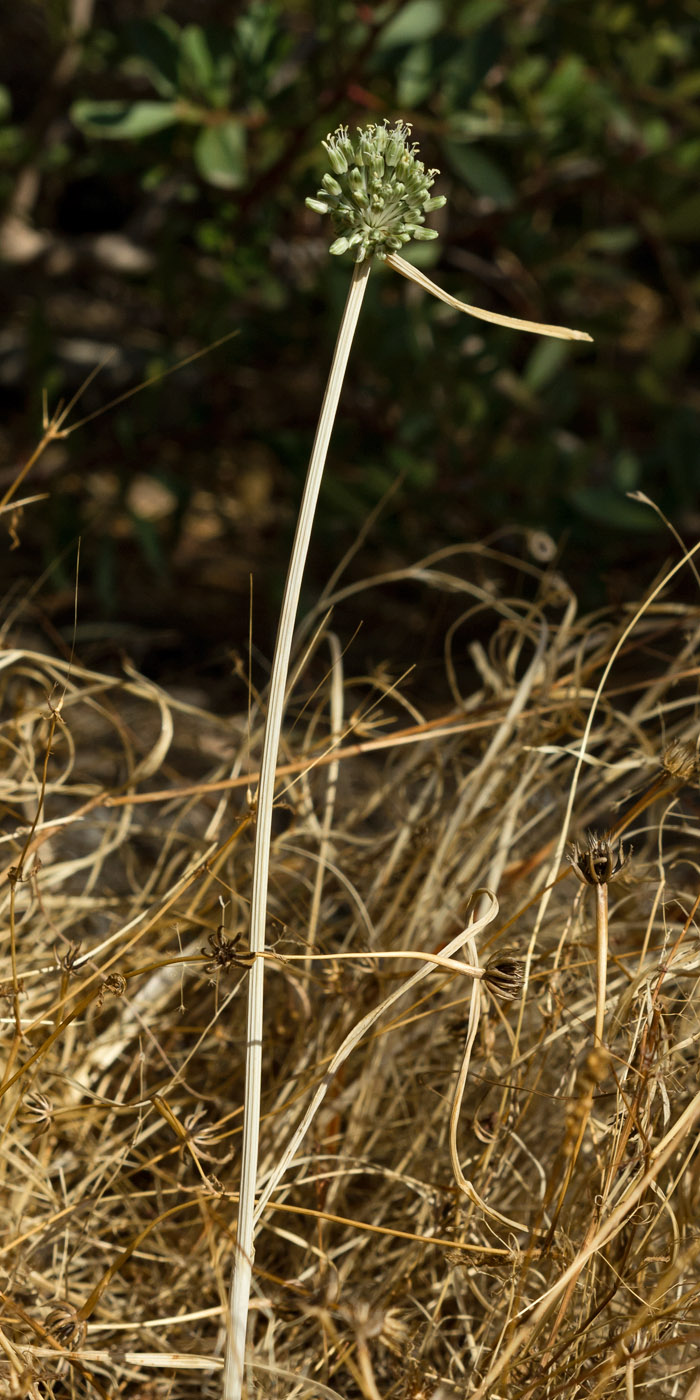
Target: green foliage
[(201, 74), (412, 23), (157, 42)]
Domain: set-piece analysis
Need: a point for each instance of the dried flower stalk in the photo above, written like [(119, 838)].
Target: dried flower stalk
[(598, 861)]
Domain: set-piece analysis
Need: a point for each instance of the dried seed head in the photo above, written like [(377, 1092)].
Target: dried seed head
[(378, 195), (116, 984), (66, 1325), (226, 952), (680, 761), (67, 961), (486, 1129), (598, 860), (37, 1111), (504, 975)]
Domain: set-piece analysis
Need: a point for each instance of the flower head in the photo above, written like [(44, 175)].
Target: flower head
[(378, 194)]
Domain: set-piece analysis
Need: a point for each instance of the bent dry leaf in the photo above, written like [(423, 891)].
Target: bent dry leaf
[(513, 322)]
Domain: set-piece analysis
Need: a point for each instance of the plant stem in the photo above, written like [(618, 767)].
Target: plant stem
[(601, 924), (464, 1185), (240, 1287)]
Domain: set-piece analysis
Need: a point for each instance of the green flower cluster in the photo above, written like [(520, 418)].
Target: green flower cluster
[(378, 194)]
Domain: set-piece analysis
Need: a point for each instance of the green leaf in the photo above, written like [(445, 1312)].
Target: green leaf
[(626, 470), (5, 103), (462, 127), (257, 33), (481, 173), (415, 77), (206, 65), (609, 508), (686, 154), (122, 120), (478, 13), (567, 84), (618, 238), (687, 86), (544, 362), (157, 41), (196, 62), (528, 73), (219, 154), (419, 19)]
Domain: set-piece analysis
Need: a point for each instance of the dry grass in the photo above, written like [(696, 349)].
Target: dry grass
[(125, 933)]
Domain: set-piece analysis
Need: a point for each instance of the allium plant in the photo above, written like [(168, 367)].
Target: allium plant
[(377, 195)]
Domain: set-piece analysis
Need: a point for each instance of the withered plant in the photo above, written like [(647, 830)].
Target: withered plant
[(477, 1176)]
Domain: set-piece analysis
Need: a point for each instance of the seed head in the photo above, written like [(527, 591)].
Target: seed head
[(504, 975), (598, 859), (679, 761), (116, 983), (225, 952), (37, 1112), (67, 1326), (378, 195)]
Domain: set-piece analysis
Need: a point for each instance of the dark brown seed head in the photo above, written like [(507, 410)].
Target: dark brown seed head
[(598, 859), (504, 975), (226, 952), (66, 1325)]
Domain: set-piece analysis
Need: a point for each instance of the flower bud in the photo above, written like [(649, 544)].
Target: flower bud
[(356, 181), (337, 154)]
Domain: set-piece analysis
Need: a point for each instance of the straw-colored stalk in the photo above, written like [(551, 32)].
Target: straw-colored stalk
[(240, 1290), (601, 928)]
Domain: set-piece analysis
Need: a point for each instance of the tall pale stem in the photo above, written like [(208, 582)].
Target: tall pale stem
[(243, 1263), (601, 920)]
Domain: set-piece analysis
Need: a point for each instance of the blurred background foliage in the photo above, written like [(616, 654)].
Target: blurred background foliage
[(154, 160)]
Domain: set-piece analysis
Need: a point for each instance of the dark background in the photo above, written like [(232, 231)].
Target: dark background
[(154, 161)]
